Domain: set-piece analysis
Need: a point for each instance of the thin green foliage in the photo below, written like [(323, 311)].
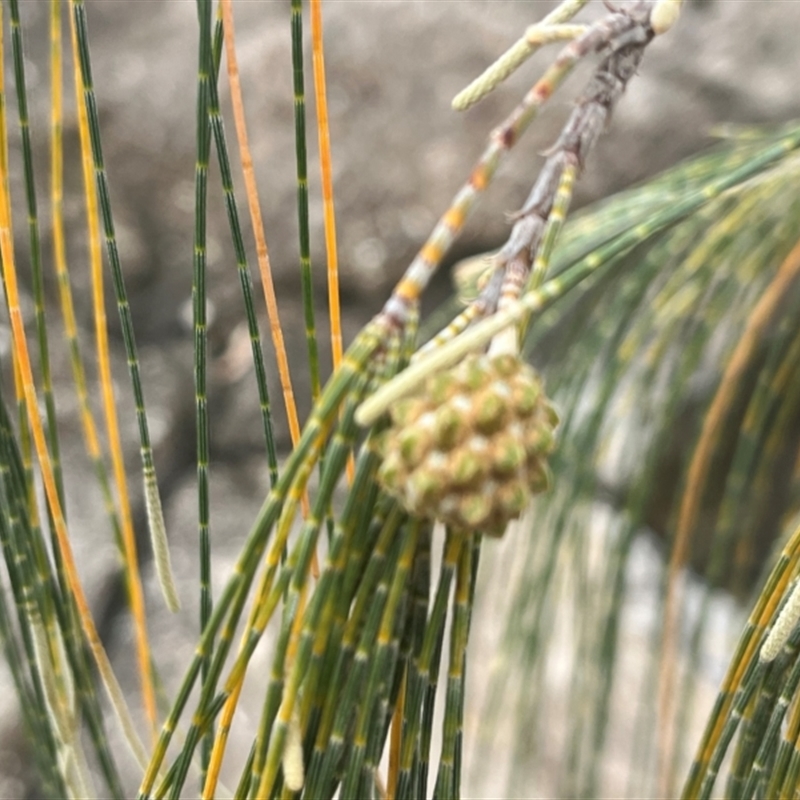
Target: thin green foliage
[(42, 606), (209, 119), (654, 328), (154, 511), (205, 76), (626, 308), (298, 81), (242, 266), (35, 242)]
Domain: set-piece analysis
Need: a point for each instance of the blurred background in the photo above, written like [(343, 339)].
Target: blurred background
[(399, 155)]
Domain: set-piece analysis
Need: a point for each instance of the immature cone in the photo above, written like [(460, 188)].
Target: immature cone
[(470, 447)]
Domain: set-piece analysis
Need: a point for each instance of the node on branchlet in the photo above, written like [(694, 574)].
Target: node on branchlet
[(470, 446)]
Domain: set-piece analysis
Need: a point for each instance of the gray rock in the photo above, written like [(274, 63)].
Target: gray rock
[(399, 153)]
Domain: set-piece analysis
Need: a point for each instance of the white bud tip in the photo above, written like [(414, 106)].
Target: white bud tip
[(664, 15), (783, 627), (292, 762), (158, 539)]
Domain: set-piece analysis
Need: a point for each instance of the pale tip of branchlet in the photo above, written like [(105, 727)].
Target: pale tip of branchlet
[(158, 538), (664, 15), (59, 690), (783, 628), (292, 761), (467, 98)]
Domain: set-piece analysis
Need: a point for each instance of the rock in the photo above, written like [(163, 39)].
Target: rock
[(399, 154)]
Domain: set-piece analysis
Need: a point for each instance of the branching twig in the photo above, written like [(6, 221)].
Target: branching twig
[(623, 36)]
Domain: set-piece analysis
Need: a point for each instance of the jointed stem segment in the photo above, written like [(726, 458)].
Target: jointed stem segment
[(550, 29), (623, 35), (351, 631)]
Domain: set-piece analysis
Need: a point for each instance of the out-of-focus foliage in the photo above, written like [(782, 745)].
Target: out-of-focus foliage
[(666, 331)]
